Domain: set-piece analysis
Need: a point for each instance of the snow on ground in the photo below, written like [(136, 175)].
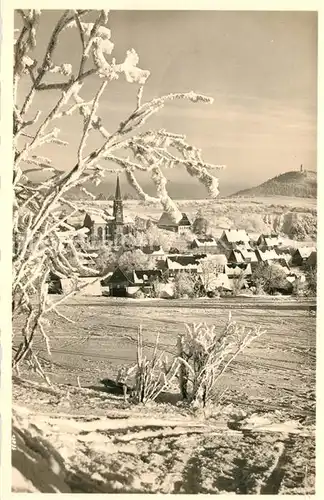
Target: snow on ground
[(158, 449)]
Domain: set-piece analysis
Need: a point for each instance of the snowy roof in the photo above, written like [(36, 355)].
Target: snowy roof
[(267, 255), (238, 270), (182, 262), (97, 219), (235, 235), (205, 242), (238, 256), (249, 255), (272, 241), (305, 252)]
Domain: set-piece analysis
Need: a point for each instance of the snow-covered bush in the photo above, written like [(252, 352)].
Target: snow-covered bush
[(150, 376), (205, 354)]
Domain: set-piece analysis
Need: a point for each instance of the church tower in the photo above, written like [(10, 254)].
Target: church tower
[(118, 213)]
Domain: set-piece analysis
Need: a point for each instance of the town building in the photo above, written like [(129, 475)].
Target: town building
[(284, 253), (212, 282), (236, 270), (242, 256), (174, 264), (104, 227), (269, 256), (301, 255), (269, 241), (182, 226), (234, 238), (129, 283), (206, 245)]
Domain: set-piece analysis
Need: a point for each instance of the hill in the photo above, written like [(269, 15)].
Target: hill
[(301, 184)]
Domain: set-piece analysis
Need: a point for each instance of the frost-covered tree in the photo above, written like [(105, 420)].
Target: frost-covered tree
[(135, 259), (311, 281), (269, 277), (200, 225), (44, 241), (185, 285)]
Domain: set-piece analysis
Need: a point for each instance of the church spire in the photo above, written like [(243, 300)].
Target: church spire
[(117, 193), (118, 205)]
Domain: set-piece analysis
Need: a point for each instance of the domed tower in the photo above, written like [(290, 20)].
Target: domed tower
[(118, 213)]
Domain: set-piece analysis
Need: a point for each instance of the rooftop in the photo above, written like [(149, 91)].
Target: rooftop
[(209, 241), (167, 220), (236, 235), (305, 252)]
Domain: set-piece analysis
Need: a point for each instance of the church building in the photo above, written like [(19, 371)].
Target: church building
[(104, 227)]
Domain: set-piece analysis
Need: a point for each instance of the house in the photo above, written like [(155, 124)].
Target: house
[(269, 241), (249, 255), (128, 283), (182, 226), (301, 255), (244, 255), (232, 238), (266, 255), (283, 253), (212, 282), (181, 263), (206, 245), (235, 270), (98, 227)]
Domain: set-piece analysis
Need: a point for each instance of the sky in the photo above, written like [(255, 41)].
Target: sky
[(260, 68)]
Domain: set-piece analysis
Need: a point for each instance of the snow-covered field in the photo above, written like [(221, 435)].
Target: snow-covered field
[(258, 439)]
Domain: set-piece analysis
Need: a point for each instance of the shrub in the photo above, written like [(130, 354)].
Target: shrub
[(311, 281), (184, 285), (150, 376), (237, 284), (205, 355)]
